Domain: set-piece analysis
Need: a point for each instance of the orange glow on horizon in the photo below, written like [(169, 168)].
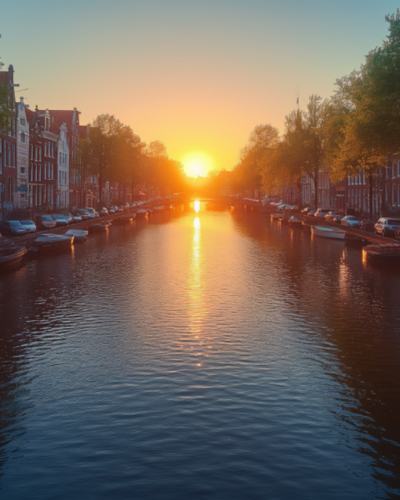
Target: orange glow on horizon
[(197, 164)]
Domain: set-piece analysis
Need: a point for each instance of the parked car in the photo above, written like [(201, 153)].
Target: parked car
[(386, 226), (60, 220), (311, 213), (338, 218), (68, 216), (92, 212), (12, 228), (103, 212), (76, 218), (367, 225), (84, 214), (351, 221), (45, 222), (321, 212), (331, 215), (29, 225), (111, 210)]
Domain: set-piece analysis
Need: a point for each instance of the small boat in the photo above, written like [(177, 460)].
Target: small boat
[(386, 254), (159, 209), (141, 213), (276, 216), (307, 225), (355, 241), (80, 235), (328, 232), (99, 228), (11, 256), (293, 222), (127, 219), (284, 220), (48, 242)]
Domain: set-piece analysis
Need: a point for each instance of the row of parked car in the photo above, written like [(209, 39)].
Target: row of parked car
[(50, 221), (385, 226)]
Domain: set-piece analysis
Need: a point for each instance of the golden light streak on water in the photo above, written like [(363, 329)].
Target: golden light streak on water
[(197, 206)]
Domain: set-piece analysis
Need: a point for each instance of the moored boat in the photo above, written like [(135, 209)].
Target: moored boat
[(98, 228), (284, 220), (355, 241), (328, 232), (127, 219), (49, 242), (386, 254), (11, 256), (293, 222), (307, 225), (141, 213), (80, 235), (276, 216)]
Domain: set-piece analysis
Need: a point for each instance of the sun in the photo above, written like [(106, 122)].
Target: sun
[(197, 164)]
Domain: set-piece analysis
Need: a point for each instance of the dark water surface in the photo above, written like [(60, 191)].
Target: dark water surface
[(211, 355)]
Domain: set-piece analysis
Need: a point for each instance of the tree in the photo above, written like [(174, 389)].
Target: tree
[(364, 124), (6, 107), (110, 151), (248, 171), (301, 149)]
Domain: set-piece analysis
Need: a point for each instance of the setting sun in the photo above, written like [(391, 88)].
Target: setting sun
[(197, 164)]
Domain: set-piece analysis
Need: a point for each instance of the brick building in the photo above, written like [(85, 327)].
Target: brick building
[(8, 153), (76, 180)]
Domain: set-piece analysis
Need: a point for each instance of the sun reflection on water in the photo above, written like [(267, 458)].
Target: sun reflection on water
[(197, 206)]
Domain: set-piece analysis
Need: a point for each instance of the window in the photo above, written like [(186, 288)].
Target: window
[(392, 168), (363, 170), (22, 137), (393, 195), (35, 172), (45, 148), (45, 171), (13, 155), (22, 170), (22, 121), (40, 172), (31, 147), (40, 153)]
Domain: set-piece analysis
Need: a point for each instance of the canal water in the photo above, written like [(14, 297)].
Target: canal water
[(200, 355)]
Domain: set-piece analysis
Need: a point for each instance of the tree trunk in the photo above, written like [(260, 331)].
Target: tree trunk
[(371, 185)]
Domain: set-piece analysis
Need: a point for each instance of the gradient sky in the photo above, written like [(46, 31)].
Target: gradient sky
[(197, 75)]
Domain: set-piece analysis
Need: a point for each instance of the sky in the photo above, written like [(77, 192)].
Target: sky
[(197, 75)]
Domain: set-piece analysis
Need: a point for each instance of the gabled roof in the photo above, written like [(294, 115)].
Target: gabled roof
[(30, 116), (57, 118)]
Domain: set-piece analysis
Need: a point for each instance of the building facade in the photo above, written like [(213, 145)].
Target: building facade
[(8, 153), (22, 156)]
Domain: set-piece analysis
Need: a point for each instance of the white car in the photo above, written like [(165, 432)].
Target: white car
[(91, 211)]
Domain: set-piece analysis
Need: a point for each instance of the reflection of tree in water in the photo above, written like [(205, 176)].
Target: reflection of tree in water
[(355, 308)]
